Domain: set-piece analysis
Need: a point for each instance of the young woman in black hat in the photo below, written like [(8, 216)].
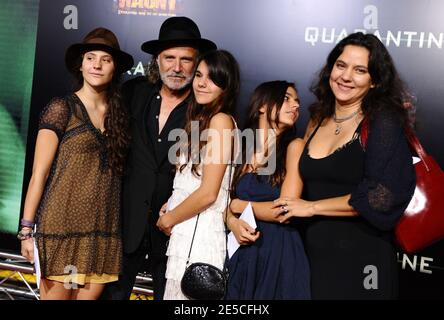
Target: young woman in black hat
[(73, 196)]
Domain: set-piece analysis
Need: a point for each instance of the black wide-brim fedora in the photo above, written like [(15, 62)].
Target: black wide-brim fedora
[(99, 39), (177, 32)]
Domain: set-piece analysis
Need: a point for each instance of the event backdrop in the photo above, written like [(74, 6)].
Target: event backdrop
[(18, 28), (281, 39)]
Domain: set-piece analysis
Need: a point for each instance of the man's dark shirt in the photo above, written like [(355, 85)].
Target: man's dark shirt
[(149, 175), (175, 120)]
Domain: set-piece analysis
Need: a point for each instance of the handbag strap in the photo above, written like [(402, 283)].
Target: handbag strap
[(417, 146), (410, 135), (226, 207), (192, 239)]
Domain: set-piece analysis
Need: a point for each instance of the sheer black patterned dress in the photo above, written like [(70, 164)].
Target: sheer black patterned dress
[(354, 257), (78, 220)]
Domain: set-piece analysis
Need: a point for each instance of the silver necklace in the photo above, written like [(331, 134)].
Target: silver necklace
[(341, 120)]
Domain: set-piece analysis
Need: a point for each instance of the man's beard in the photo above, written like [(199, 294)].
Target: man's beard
[(175, 85)]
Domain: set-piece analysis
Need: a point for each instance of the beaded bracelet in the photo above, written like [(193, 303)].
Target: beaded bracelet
[(27, 223), (25, 236)]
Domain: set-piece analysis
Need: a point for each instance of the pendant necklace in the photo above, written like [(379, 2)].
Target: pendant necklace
[(340, 120)]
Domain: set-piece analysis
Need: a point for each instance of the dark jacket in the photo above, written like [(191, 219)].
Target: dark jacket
[(148, 180)]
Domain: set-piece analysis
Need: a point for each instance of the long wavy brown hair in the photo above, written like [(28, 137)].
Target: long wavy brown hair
[(223, 70), (389, 92), (116, 122), (269, 94)]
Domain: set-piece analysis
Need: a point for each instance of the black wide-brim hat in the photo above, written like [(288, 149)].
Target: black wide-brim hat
[(99, 39), (178, 32)]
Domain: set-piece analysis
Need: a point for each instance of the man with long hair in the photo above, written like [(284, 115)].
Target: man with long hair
[(157, 104)]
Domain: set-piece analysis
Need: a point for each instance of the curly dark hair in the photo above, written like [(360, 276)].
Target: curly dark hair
[(223, 70), (152, 70), (389, 92), (116, 121), (268, 94)]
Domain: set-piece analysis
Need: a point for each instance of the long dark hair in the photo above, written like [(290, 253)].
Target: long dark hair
[(269, 94), (223, 70), (388, 93), (152, 70), (116, 121)]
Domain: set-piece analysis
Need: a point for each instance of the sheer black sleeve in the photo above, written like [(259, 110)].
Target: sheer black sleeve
[(55, 116), (389, 177)]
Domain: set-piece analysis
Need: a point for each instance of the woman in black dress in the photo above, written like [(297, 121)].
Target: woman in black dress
[(354, 196)]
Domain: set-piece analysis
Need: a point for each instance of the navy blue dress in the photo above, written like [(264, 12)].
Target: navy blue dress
[(275, 266)]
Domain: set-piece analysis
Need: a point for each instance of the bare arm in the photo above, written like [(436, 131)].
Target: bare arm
[(262, 210), (213, 169), (291, 188), (291, 191), (337, 206), (45, 150), (243, 232)]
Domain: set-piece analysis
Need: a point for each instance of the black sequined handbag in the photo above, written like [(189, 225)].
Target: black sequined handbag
[(203, 281)]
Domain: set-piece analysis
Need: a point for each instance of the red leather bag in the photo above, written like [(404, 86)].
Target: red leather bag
[(422, 223)]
